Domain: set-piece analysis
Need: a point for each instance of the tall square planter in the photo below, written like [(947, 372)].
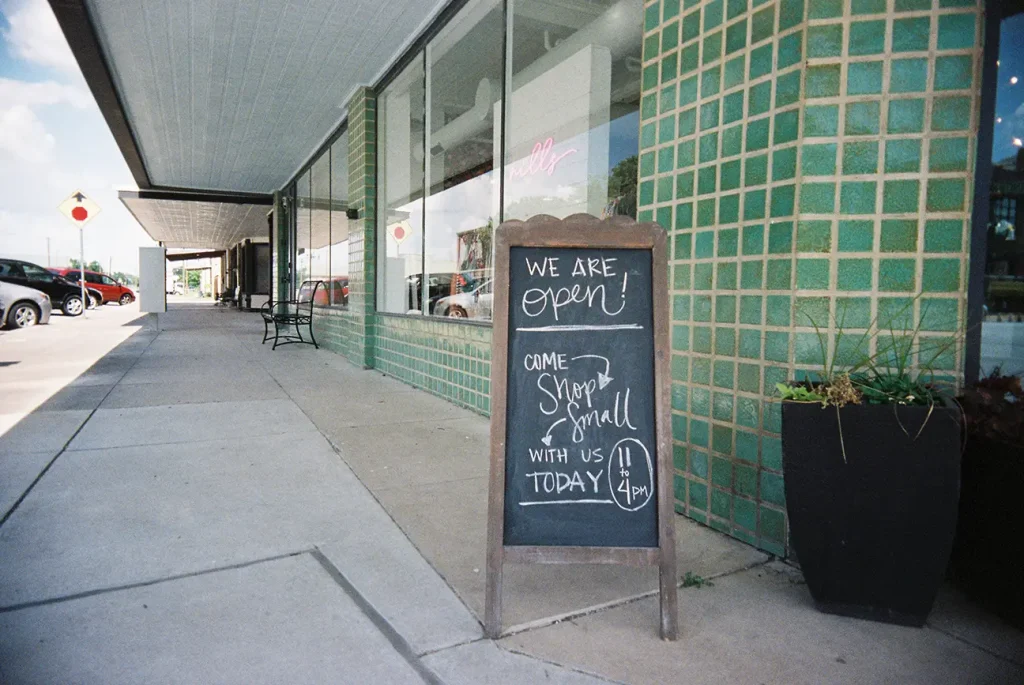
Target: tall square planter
[(872, 529)]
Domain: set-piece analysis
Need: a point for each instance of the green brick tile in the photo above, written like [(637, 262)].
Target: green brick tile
[(701, 340), (700, 373), (864, 78), (711, 48), (753, 240), (721, 505), (862, 118), (900, 197), (942, 235), (857, 197), (906, 116), (700, 404), (666, 159), (822, 81), (856, 236), (684, 215), (684, 185), (790, 50), (807, 349), (752, 275), (903, 155), (710, 114), (812, 274), (784, 164), (648, 106), (706, 180), (754, 205), (735, 72), (780, 238), (909, 76), (953, 72), (814, 236), (896, 275), (860, 157), (708, 147), (680, 308), (667, 99), (665, 188), (713, 13), (772, 524), (824, 9), (747, 414), (651, 18), (647, 164), (945, 194), (821, 120), (951, 113), (669, 66), (725, 373), (787, 127), (895, 313), (670, 36), (939, 314), (736, 37), (760, 61), (818, 198), (791, 13), (689, 60), (854, 274), (664, 217), (818, 160), (762, 25), (732, 107), (759, 99), (956, 31), (722, 406), (750, 344), (698, 495), (750, 309), (690, 26), (728, 240), (757, 135), (772, 488), (748, 378), (744, 510), (685, 154), (710, 82), (811, 311), (825, 40), (706, 212), (776, 346), (867, 37), (912, 5), (858, 7), (726, 276), (948, 154), (783, 198), (703, 275), (778, 309), (941, 275), (698, 463), (649, 77), (735, 8), (732, 141), (648, 135), (725, 309), (787, 89), (911, 35)]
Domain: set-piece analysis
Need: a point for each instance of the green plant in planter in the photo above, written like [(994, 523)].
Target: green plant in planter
[(871, 462)]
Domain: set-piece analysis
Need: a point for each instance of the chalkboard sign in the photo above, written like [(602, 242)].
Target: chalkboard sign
[(580, 437)]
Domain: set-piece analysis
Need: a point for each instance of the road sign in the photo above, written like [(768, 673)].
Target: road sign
[(400, 231), (79, 208)]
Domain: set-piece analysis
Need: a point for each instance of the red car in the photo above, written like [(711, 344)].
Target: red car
[(100, 286)]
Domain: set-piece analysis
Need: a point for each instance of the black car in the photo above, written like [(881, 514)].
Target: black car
[(65, 296)]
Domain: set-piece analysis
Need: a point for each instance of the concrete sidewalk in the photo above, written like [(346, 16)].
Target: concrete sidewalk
[(197, 508)]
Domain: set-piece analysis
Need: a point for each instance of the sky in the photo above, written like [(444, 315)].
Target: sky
[(54, 141), (1010, 90)]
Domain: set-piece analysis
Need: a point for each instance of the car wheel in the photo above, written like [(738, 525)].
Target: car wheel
[(72, 306), (95, 300), (23, 315), (456, 312), (125, 299)]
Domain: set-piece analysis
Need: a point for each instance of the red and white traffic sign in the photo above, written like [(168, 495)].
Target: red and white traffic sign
[(78, 208), (400, 231)]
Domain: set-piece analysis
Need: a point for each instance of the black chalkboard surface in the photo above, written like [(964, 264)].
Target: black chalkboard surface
[(580, 455)]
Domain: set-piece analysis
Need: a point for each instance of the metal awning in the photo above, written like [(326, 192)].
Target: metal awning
[(233, 95), (199, 221)]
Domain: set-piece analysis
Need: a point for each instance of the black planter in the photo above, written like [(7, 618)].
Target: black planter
[(872, 533), (989, 552)]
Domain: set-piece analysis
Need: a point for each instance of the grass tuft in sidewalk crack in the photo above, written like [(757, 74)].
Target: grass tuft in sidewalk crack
[(693, 580)]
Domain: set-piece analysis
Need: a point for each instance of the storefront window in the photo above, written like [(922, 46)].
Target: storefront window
[(569, 92), (320, 224), (1002, 333), (337, 286), (400, 121), (573, 112), (303, 205), (464, 66)]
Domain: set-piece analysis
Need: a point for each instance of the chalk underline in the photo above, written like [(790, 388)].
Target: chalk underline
[(567, 501), (573, 327)]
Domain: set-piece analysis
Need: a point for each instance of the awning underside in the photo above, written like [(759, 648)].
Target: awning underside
[(197, 224)]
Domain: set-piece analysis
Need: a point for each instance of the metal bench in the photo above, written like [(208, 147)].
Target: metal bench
[(286, 314)]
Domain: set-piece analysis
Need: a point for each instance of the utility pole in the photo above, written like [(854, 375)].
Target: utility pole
[(81, 249), (48, 263)]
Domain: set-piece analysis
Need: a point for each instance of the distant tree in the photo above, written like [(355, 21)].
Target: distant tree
[(94, 266), (195, 279), (73, 263), (622, 186)]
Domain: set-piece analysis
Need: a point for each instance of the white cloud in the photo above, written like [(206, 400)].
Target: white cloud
[(42, 93), (35, 36), (24, 136)]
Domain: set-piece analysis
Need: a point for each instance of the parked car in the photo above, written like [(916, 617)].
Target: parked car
[(64, 295), (107, 288), (472, 305), (21, 307)]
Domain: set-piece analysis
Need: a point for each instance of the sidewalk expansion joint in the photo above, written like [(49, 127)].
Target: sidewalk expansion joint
[(399, 643), (147, 583), (64, 448), (980, 648)]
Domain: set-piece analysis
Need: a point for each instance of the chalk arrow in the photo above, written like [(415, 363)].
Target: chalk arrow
[(603, 379), (547, 437)]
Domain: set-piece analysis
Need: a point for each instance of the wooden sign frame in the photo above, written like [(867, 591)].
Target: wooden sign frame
[(582, 231)]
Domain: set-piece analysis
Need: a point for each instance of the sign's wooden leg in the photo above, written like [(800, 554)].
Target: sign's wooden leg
[(669, 595), (492, 599)]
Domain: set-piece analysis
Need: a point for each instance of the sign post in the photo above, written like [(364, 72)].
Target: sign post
[(80, 210), (581, 443)]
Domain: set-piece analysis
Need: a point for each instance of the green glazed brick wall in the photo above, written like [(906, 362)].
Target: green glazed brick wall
[(811, 160), (450, 360)]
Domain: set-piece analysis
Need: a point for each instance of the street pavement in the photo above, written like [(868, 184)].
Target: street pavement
[(179, 504)]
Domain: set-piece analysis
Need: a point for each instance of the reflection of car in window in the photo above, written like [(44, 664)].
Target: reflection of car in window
[(476, 304)]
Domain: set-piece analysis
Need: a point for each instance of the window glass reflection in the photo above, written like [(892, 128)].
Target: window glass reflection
[(464, 67), (303, 206), (337, 286), (320, 224), (1002, 333), (400, 117)]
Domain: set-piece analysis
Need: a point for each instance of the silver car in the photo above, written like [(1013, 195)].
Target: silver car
[(21, 307)]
